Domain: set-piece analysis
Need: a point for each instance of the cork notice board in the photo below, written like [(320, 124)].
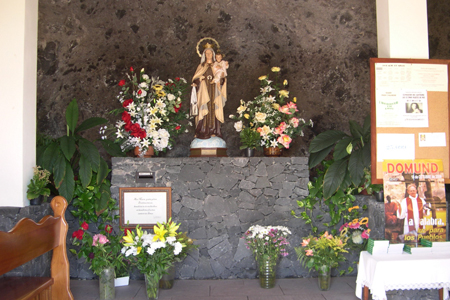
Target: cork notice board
[(409, 111)]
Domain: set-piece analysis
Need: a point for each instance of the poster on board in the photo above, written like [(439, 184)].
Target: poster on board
[(414, 199)]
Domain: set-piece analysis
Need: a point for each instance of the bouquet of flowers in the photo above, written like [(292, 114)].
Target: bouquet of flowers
[(267, 241), (150, 113), (357, 232), (324, 250), (38, 184), (102, 250), (271, 114), (151, 253)]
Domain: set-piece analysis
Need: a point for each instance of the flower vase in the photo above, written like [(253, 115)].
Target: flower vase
[(106, 284), (167, 280), (324, 277), (152, 286), (249, 152), (267, 267), (149, 153), (272, 151)]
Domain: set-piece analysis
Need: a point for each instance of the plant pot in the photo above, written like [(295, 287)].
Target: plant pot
[(122, 281), (152, 286), (272, 151), (267, 271), (249, 152), (37, 201), (149, 153), (106, 284), (379, 196), (167, 280), (324, 277)]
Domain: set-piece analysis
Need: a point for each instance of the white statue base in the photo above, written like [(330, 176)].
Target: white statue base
[(212, 147)]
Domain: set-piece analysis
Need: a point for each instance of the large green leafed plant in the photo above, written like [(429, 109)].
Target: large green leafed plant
[(71, 157), (351, 156)]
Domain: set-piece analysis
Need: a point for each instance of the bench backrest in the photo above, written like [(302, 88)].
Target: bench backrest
[(28, 240)]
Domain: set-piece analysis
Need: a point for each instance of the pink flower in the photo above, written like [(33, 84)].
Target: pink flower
[(343, 226), (294, 122), (292, 105), (309, 252), (285, 110), (285, 140), (327, 236), (365, 234), (280, 129), (354, 225), (100, 238), (305, 242)]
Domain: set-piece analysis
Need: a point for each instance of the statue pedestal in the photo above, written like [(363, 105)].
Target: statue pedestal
[(212, 147)]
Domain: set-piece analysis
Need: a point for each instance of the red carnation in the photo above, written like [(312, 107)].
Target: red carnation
[(177, 107), (131, 69), (178, 127), (78, 234), (177, 78), (127, 102), (85, 226), (108, 228), (122, 82), (127, 126), (126, 117), (142, 134)]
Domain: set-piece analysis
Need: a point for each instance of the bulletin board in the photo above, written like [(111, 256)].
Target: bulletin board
[(410, 113)]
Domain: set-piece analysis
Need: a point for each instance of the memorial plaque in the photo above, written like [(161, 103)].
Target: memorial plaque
[(144, 206)]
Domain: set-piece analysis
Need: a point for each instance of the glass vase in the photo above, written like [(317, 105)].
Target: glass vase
[(167, 280), (106, 284), (152, 286), (267, 271), (324, 277)]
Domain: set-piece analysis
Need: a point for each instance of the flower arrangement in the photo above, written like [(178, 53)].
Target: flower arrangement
[(151, 253), (357, 232), (267, 240), (324, 250), (38, 183), (151, 112), (271, 114), (102, 250)]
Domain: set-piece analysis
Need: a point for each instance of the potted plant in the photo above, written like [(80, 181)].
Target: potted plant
[(322, 254), (250, 140), (103, 252), (151, 114), (272, 114), (37, 188), (351, 157), (71, 157), (267, 244)]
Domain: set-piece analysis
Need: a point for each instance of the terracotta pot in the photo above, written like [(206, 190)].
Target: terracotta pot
[(150, 152), (272, 151)]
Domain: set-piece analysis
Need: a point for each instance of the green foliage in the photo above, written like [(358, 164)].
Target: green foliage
[(351, 157), (38, 184), (250, 138), (73, 156)]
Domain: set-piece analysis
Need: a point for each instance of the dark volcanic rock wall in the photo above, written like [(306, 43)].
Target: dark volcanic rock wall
[(322, 46)]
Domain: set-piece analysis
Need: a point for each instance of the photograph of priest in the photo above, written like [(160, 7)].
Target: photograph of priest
[(412, 209)]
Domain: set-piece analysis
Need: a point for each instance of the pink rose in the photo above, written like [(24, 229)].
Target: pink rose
[(99, 238), (284, 140), (294, 122)]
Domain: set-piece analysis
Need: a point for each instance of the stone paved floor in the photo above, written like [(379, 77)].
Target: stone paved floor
[(342, 288)]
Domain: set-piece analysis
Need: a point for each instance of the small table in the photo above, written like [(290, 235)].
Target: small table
[(385, 272)]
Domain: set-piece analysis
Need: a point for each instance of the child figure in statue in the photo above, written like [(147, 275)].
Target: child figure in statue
[(220, 69)]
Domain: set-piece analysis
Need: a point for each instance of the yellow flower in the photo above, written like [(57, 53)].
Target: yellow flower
[(160, 93), (276, 69), (294, 100), (139, 250), (285, 82), (284, 93), (344, 231), (352, 208), (129, 240), (247, 116), (355, 221), (262, 77), (276, 106), (172, 228), (364, 221), (157, 87), (160, 233)]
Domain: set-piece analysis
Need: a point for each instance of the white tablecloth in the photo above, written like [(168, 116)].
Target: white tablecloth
[(385, 272)]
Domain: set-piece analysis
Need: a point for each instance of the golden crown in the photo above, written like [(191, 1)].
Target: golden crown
[(208, 45)]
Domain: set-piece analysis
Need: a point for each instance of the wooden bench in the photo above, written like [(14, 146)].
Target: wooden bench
[(28, 240)]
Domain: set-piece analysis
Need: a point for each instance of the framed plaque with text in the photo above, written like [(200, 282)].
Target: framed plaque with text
[(144, 206)]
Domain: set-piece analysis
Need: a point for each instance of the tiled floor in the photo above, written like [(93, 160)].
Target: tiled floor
[(342, 288)]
